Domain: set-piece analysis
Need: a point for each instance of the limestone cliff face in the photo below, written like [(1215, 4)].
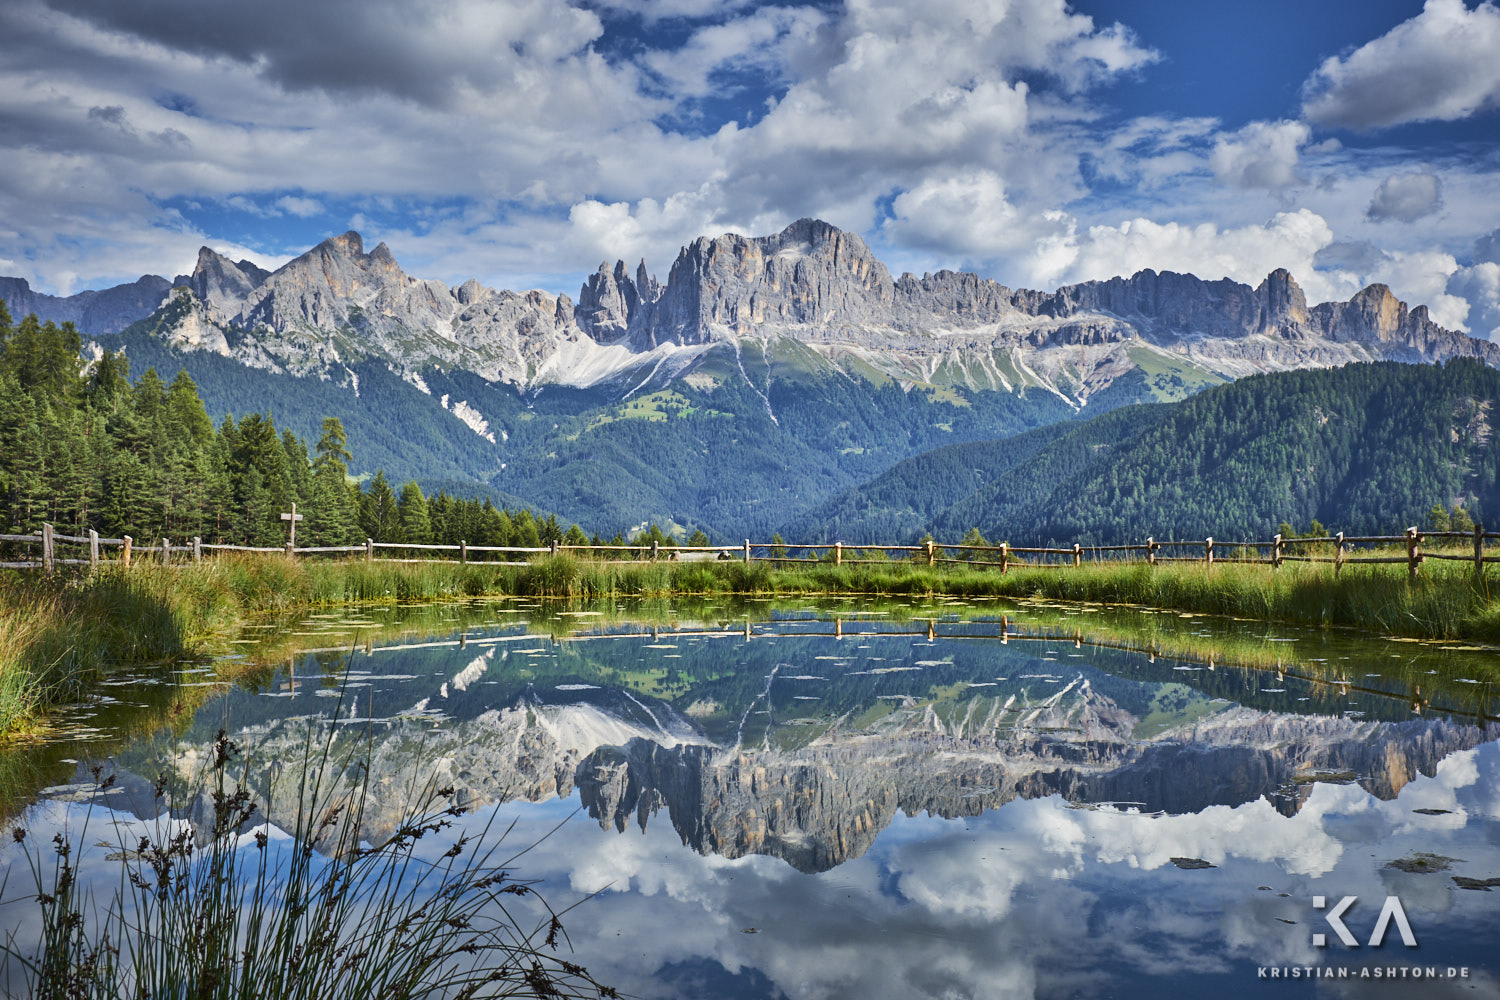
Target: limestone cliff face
[(810, 274), (610, 302)]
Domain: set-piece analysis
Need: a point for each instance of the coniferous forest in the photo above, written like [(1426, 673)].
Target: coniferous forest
[(83, 447)]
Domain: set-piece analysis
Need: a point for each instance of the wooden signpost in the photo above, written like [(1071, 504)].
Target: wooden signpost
[(293, 517)]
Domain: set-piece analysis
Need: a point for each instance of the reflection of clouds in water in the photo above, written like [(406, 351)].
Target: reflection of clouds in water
[(1033, 898)]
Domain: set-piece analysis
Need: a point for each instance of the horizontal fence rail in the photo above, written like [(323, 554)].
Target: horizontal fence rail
[(1338, 549)]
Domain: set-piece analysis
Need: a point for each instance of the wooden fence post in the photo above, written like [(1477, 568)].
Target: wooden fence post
[(369, 550), (1151, 551), (1077, 554), (125, 555), (1479, 550), (931, 552), (93, 547), (463, 550), (197, 549), (655, 549), (47, 547), (838, 553), (1276, 551), (1413, 554), (1338, 554), (747, 550), (166, 551), (1004, 557), (1208, 550), (554, 546)]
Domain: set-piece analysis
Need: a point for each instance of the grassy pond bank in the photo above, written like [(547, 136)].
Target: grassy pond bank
[(59, 637)]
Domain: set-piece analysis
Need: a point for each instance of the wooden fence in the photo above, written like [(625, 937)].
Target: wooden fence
[(1338, 549)]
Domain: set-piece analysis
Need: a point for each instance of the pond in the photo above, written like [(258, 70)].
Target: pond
[(857, 799)]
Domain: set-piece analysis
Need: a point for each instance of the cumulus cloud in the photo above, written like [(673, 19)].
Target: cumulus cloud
[(1261, 155), (437, 52), (304, 208), (1406, 197), (967, 214), (760, 41), (1245, 253), (1442, 65)]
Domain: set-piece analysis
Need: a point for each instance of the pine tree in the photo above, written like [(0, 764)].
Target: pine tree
[(378, 515), (415, 524)]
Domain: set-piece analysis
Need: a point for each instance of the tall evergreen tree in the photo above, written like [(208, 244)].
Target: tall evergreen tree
[(415, 525), (379, 517)]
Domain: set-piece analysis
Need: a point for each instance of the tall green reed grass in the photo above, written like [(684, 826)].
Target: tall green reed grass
[(214, 908)]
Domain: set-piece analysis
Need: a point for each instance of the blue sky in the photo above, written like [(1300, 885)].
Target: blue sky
[(524, 141)]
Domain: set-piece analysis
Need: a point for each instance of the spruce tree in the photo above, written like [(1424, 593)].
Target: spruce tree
[(415, 524)]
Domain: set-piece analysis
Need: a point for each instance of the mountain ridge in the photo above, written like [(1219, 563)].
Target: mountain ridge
[(812, 284)]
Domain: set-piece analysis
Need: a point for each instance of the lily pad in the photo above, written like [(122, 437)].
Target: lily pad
[(1481, 884), (1421, 863)]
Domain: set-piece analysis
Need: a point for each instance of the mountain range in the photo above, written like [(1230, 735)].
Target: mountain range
[(794, 359)]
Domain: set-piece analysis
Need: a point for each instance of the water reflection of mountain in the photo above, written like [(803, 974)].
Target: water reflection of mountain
[(825, 802), (791, 751)]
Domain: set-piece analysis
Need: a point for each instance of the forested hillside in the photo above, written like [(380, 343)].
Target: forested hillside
[(1364, 448), (748, 441), (903, 502), (86, 448)]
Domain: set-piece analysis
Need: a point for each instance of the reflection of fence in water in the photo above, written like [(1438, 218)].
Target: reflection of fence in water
[(1414, 698)]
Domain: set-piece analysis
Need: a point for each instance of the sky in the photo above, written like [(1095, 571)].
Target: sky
[(523, 142)]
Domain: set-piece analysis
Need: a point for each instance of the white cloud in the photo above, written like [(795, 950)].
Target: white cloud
[(304, 208), (1246, 253), (758, 41), (1261, 155), (1442, 65), (967, 214), (1406, 197)]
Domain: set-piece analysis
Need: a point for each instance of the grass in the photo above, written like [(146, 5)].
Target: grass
[(217, 907), (57, 639)]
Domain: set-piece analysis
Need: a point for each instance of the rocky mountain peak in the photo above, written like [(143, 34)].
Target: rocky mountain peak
[(608, 302), (809, 274), (1282, 301), (347, 243), (222, 285), (469, 292), (382, 257)]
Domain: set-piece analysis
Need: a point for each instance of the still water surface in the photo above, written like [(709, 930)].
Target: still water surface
[(851, 800)]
